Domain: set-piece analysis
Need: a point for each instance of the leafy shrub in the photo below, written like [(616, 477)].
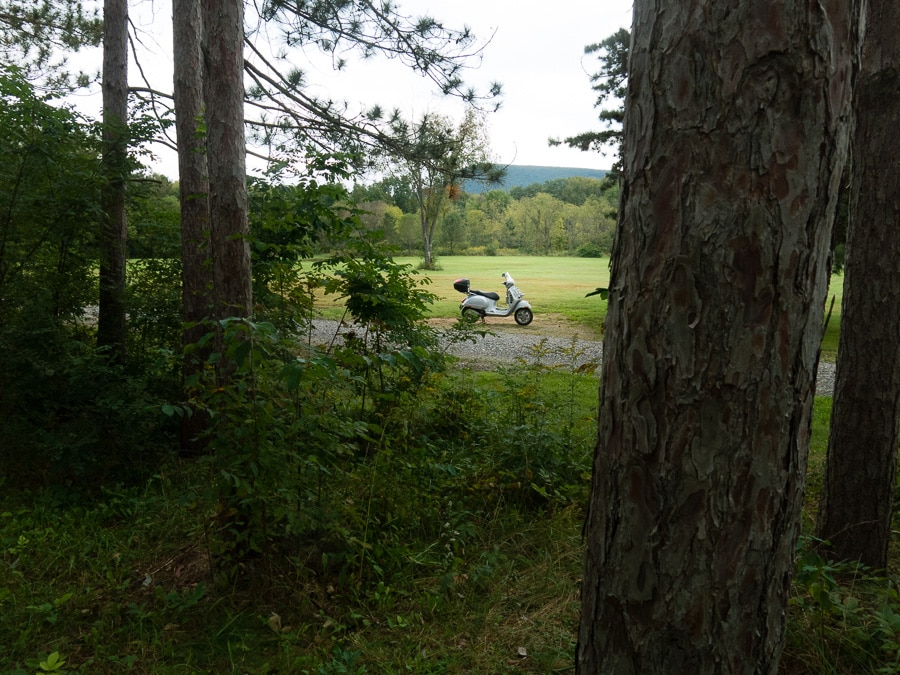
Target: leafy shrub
[(290, 223), (839, 255), (70, 416), (154, 306), (49, 205), (590, 251), (293, 419), (841, 617)]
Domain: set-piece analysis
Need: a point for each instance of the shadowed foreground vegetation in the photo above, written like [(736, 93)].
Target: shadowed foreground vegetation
[(459, 551)]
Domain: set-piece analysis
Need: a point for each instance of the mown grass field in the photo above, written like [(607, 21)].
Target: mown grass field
[(556, 288)]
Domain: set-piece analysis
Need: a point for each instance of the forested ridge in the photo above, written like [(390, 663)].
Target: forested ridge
[(521, 175)]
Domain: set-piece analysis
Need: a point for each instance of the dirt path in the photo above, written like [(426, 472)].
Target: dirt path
[(552, 339)]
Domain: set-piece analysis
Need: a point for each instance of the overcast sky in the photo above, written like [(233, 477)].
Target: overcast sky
[(536, 53)]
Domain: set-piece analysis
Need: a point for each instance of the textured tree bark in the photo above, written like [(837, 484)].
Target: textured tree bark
[(111, 324), (193, 178), (223, 69), (855, 514), (735, 137), (197, 288)]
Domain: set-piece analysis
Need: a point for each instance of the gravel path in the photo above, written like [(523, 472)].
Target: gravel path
[(507, 346)]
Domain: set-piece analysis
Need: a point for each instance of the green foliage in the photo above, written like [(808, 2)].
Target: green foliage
[(285, 419), (39, 35), (154, 307), (837, 259), (49, 191), (68, 415), (289, 223), (437, 156), (842, 617), (589, 251), (154, 218), (378, 292), (270, 434), (542, 445), (575, 190), (552, 217), (395, 190), (325, 451), (444, 539)]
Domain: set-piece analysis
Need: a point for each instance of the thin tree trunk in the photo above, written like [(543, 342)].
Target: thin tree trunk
[(197, 290), (111, 325), (426, 243), (223, 29), (735, 136), (857, 506)]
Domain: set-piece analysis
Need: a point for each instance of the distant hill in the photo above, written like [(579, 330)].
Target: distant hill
[(520, 175)]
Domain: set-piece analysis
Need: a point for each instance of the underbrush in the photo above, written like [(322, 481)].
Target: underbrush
[(459, 555), (430, 523), (369, 508), (105, 592)]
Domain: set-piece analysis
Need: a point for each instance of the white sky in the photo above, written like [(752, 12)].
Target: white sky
[(537, 54)]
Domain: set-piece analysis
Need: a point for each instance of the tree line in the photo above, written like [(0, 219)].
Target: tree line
[(572, 216), (569, 216)]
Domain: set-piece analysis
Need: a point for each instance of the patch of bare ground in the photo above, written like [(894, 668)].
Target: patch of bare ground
[(544, 325)]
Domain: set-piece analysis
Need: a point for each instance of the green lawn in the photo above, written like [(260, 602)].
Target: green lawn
[(830, 341), (553, 286), (556, 287)]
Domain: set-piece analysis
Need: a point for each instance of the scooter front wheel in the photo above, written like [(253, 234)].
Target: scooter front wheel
[(524, 316), (470, 315)]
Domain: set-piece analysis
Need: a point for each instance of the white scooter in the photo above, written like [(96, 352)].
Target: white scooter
[(479, 304)]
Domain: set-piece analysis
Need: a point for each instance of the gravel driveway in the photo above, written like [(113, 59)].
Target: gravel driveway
[(507, 346)]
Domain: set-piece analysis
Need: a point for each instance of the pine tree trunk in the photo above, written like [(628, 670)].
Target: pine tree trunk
[(197, 290), (857, 506), (111, 325), (735, 137), (223, 29)]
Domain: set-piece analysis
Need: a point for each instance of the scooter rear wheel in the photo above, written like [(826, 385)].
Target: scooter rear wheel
[(524, 316)]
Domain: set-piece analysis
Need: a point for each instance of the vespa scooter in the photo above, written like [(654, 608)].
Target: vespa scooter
[(479, 304)]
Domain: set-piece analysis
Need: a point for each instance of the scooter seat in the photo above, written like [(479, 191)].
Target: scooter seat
[(490, 295)]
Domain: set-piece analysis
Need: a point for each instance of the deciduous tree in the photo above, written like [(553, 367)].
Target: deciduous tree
[(857, 506), (437, 156), (538, 222), (49, 181), (735, 137)]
